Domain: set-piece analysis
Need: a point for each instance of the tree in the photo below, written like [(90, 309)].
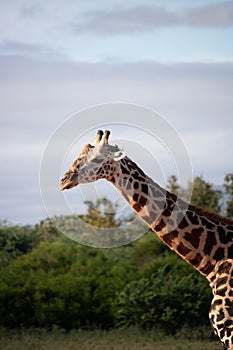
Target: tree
[(172, 185), (58, 282), (204, 195), (228, 185), (165, 300), (15, 241), (102, 213)]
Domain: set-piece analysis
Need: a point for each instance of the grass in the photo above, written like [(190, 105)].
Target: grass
[(131, 339)]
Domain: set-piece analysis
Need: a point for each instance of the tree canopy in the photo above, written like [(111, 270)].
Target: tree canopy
[(49, 280)]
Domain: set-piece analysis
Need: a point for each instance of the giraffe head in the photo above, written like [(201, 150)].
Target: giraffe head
[(94, 162)]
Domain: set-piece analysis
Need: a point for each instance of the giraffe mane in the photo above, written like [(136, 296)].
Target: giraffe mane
[(216, 218)]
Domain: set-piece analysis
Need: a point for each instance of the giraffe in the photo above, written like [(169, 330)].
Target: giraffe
[(202, 239)]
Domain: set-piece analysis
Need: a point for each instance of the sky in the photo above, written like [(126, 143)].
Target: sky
[(58, 58)]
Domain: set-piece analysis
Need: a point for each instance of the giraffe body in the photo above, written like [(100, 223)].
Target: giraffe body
[(202, 239)]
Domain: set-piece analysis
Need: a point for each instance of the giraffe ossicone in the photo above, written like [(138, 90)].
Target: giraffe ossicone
[(202, 239)]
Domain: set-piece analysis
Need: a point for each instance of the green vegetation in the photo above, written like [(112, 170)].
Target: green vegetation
[(60, 283), (166, 299), (201, 192), (228, 185), (50, 282), (130, 339)]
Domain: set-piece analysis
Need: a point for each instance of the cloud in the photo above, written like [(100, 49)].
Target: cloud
[(129, 20), (147, 18), (9, 48), (34, 91), (37, 95), (31, 10), (218, 15)]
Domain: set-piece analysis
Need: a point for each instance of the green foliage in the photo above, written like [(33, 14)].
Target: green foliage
[(148, 249), (47, 280), (228, 185), (202, 192), (204, 195), (62, 284), (16, 241), (169, 262), (102, 213), (100, 226), (172, 185), (165, 300)]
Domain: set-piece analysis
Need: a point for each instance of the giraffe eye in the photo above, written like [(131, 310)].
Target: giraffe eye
[(96, 160)]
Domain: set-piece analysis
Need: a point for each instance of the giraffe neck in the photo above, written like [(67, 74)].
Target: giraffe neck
[(198, 237)]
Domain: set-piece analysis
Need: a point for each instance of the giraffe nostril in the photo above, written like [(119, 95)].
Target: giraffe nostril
[(64, 178)]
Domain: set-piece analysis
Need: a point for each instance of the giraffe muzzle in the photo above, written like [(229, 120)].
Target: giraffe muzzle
[(69, 180)]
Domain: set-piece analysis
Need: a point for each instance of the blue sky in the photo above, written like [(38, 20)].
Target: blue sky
[(57, 58), (133, 30)]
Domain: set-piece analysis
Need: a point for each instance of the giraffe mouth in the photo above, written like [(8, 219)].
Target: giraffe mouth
[(66, 186), (68, 181)]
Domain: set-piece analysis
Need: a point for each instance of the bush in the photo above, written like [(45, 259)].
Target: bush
[(62, 284), (164, 301), (47, 280), (16, 241)]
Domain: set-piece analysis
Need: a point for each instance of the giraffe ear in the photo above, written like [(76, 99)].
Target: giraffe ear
[(119, 155)]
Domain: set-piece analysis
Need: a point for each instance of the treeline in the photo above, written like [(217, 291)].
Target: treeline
[(48, 280), (204, 194)]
